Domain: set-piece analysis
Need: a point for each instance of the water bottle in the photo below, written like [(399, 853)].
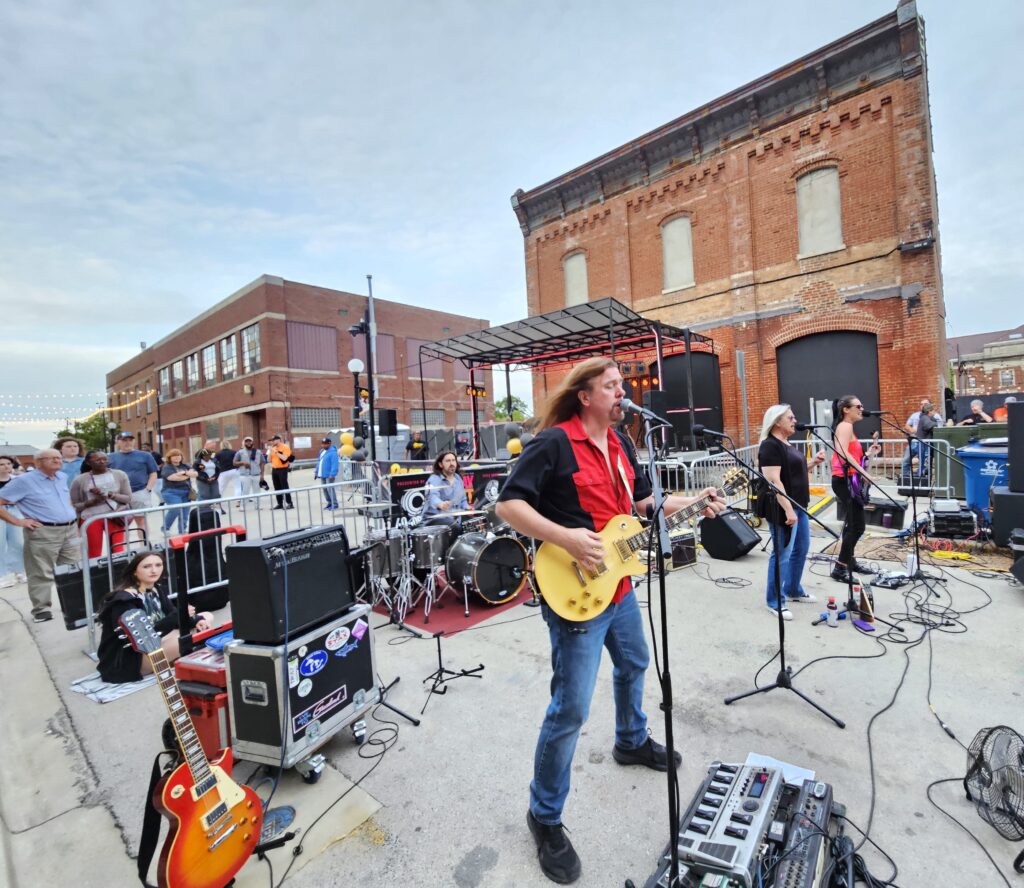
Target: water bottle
[(832, 613)]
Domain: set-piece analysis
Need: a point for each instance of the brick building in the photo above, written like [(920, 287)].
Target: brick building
[(794, 219), (273, 358), (988, 363)]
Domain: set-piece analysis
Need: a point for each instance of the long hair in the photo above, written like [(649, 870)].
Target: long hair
[(564, 402), (127, 579), (771, 416), (838, 406), (440, 458)]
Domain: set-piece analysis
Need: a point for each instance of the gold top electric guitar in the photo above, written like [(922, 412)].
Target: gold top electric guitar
[(575, 593)]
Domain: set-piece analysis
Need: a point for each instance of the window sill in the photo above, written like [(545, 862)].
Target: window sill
[(679, 289), (839, 249)]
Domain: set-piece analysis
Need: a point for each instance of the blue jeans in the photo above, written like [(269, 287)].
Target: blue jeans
[(575, 658), (174, 496), (791, 557), (329, 493), (11, 542)]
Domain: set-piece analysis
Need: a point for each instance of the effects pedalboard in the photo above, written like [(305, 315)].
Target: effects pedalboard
[(746, 828)]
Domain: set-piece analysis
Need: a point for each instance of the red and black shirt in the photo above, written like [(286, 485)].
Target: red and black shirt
[(565, 477)]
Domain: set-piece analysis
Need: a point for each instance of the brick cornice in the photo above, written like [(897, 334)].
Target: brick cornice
[(828, 322)]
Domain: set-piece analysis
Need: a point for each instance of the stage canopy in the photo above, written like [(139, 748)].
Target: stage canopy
[(567, 336)]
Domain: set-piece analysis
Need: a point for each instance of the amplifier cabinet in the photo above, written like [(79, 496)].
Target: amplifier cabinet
[(316, 563), (1007, 514), (290, 702)]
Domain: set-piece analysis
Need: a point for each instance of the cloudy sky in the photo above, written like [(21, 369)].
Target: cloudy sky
[(156, 156)]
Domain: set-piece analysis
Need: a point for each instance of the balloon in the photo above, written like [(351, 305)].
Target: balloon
[(515, 446), (395, 469), (346, 438), (525, 438), (512, 429), (359, 455), (357, 441), (347, 449)]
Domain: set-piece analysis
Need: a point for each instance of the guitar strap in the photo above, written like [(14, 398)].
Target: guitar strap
[(150, 822)]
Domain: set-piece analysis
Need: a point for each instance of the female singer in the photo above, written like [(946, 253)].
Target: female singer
[(846, 464), (786, 468)]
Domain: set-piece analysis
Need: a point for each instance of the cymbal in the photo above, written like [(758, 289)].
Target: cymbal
[(464, 514)]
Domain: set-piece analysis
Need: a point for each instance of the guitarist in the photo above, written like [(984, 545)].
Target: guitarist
[(848, 462), (571, 479)]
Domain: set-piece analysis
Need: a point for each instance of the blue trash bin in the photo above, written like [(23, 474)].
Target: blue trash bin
[(984, 467)]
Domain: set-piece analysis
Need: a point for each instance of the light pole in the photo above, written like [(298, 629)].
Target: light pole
[(356, 367), (111, 426), (363, 329)]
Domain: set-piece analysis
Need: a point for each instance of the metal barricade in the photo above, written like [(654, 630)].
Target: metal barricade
[(359, 503), (709, 471)]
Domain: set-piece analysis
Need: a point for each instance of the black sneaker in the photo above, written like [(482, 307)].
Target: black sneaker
[(652, 754), (43, 616), (861, 568), (840, 574), (558, 859)]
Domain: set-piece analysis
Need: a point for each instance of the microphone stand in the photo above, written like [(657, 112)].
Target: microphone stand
[(785, 677), (852, 605), (659, 534)]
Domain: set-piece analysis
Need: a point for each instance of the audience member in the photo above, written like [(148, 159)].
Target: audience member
[(281, 459), (913, 449), (140, 467), (327, 472), (251, 464), (49, 519), (926, 425), (226, 471), (11, 536), (977, 416), (416, 447), (99, 491), (206, 472), (177, 478), (71, 451), (1001, 414)]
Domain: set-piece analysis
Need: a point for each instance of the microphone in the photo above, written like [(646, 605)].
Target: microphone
[(701, 430), (876, 412), (631, 407), (807, 426)]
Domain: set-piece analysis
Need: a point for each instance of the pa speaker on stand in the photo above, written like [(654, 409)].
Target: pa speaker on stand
[(727, 536)]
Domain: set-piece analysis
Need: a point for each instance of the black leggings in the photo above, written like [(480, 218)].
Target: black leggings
[(853, 529)]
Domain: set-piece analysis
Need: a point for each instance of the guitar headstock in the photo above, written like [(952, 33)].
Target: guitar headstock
[(138, 629), (734, 481)]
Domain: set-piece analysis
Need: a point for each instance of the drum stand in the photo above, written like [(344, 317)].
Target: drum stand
[(441, 676), (531, 577)]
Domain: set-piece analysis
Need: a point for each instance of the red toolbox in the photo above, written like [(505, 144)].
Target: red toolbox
[(202, 680)]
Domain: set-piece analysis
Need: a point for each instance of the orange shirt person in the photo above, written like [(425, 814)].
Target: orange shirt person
[(281, 459)]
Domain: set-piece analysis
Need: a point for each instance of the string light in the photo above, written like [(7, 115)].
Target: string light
[(33, 415)]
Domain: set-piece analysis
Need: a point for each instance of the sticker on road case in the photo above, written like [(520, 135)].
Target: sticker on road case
[(337, 638), (319, 709), (359, 629)]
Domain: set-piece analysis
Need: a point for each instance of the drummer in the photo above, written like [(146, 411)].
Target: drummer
[(445, 490)]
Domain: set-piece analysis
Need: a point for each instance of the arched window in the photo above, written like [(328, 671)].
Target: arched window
[(574, 268), (818, 213), (677, 253)]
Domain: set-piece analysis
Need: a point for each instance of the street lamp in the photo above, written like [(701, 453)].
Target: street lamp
[(356, 367), (363, 328), (111, 427)]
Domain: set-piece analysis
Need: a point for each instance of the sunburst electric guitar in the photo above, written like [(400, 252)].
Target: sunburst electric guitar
[(214, 822), (575, 593)]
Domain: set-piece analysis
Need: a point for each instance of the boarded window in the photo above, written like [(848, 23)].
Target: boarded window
[(435, 418), (574, 268), (433, 368), (460, 371), (385, 353), (312, 346), (325, 418), (677, 253), (818, 212)]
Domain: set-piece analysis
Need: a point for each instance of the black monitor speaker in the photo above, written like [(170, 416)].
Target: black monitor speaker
[(727, 536), (1015, 420), (387, 423)]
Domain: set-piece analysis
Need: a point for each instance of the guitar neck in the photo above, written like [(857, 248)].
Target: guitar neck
[(642, 540), (202, 776)]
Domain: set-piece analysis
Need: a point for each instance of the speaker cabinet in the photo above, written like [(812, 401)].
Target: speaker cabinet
[(727, 536), (1007, 513), (387, 423), (1015, 420)]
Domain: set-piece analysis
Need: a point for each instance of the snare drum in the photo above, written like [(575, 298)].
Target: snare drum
[(492, 567), (430, 543), (384, 553)]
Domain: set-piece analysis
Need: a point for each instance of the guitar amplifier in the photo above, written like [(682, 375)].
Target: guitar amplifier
[(289, 702), (314, 564)]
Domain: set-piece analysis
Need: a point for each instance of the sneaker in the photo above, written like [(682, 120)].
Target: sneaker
[(861, 568), (806, 598), (652, 755), (43, 616), (278, 507), (558, 859), (22, 578), (289, 506), (787, 614), (7, 582), (840, 574)]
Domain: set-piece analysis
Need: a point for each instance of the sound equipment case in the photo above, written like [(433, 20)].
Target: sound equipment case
[(324, 681)]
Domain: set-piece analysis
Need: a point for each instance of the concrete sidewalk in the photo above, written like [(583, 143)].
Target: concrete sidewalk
[(454, 790)]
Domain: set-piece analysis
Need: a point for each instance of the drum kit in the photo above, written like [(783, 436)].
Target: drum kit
[(470, 552)]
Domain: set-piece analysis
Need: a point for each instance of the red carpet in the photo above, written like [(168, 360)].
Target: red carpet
[(450, 617)]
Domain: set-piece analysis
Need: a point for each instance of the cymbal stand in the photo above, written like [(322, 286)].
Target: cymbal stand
[(404, 584), (531, 577), (442, 675)]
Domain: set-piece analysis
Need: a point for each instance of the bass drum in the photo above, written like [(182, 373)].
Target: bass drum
[(492, 567)]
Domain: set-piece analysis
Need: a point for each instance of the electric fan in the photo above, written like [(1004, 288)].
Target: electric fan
[(995, 782)]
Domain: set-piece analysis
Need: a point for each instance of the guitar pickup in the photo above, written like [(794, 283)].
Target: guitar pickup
[(579, 574), (214, 846)]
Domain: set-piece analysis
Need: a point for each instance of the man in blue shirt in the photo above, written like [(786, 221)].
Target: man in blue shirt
[(140, 467), (51, 531), (327, 472)]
